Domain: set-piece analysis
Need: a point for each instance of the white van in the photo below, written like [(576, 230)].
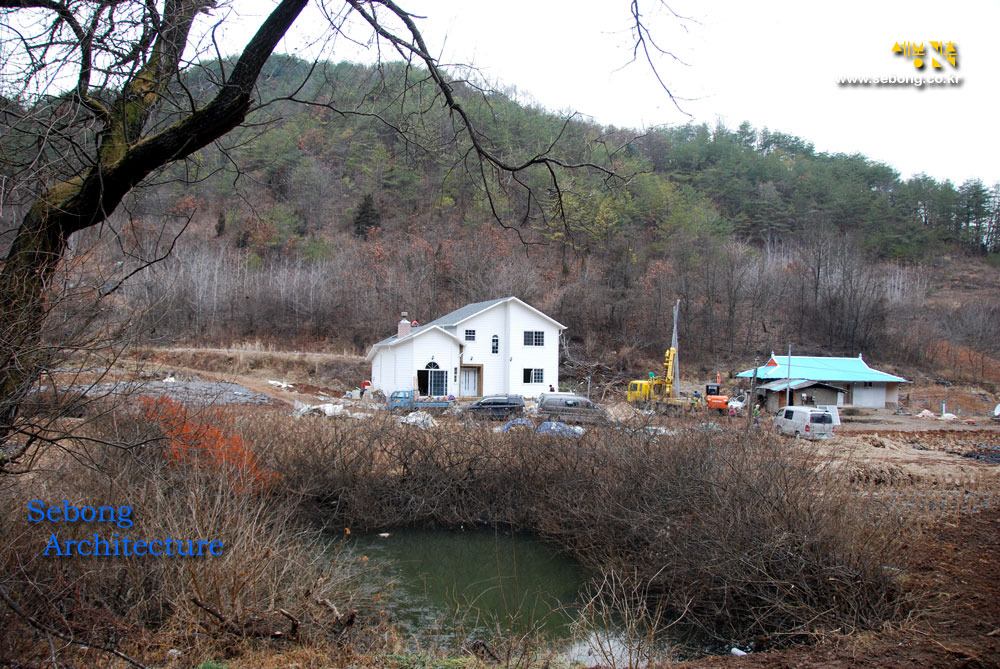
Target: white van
[(805, 422)]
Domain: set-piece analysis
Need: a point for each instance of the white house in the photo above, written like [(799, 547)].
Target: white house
[(828, 380), (496, 347)]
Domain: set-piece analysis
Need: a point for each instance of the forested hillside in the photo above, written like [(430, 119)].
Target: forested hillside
[(351, 200)]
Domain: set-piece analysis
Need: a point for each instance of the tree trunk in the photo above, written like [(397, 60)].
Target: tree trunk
[(123, 159)]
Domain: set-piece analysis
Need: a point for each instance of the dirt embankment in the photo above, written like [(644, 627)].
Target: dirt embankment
[(286, 376), (955, 571)]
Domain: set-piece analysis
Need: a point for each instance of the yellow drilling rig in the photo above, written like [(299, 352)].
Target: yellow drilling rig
[(662, 392)]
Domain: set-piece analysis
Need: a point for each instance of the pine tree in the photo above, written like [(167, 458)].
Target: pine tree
[(367, 216)]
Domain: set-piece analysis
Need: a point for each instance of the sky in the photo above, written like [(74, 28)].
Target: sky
[(774, 63)]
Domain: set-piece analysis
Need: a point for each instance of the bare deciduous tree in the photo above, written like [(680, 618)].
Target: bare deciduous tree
[(95, 103)]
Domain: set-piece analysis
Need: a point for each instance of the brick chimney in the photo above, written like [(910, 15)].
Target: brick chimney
[(403, 328)]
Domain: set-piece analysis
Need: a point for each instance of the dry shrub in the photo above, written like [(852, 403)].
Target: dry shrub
[(276, 579), (727, 532), (375, 473), (624, 625), (733, 536)]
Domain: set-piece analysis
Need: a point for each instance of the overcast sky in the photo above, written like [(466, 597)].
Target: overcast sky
[(774, 63)]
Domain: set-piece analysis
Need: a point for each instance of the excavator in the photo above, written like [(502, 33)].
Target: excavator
[(714, 397), (661, 392)]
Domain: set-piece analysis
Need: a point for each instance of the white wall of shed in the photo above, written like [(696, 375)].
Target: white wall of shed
[(892, 394), (871, 398)]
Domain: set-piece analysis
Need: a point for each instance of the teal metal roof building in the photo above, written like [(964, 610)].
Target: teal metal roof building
[(851, 379)]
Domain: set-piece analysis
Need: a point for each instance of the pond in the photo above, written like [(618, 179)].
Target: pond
[(440, 583)]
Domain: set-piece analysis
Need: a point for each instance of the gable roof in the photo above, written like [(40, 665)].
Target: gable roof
[(450, 321), (456, 317), (414, 333), (815, 368)]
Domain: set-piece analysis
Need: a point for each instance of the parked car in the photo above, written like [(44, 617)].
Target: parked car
[(569, 408), (806, 422), (497, 407)]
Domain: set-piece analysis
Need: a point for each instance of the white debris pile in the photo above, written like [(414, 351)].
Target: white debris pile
[(926, 413), (421, 419), (328, 409), (280, 384), (948, 416)]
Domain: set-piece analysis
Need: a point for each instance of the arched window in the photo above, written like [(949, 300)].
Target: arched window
[(432, 365), (496, 344)]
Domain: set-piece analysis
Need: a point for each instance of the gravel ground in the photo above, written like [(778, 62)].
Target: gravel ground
[(200, 393)]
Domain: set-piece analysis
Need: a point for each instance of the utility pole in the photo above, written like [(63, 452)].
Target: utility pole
[(788, 381), (675, 383)]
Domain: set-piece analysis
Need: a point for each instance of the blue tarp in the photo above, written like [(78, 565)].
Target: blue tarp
[(517, 421), (559, 429)]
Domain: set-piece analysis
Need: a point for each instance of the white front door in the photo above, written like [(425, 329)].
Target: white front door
[(470, 382)]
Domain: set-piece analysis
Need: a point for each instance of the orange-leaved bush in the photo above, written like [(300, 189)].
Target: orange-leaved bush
[(206, 440)]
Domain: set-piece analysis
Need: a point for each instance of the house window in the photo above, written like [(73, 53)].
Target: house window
[(534, 338), (470, 335), (867, 384), (534, 376), (496, 344)]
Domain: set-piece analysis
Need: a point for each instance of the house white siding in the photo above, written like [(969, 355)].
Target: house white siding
[(392, 368), (522, 357), (486, 325), (461, 343), (395, 367), (438, 348)]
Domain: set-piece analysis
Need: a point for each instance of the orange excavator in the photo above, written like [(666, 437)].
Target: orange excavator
[(714, 398)]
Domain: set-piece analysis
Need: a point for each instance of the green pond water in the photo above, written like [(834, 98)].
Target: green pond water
[(441, 583)]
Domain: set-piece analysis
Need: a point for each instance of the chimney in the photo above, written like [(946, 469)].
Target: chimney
[(403, 328)]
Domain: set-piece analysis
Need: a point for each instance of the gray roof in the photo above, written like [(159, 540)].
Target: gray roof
[(455, 317)]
